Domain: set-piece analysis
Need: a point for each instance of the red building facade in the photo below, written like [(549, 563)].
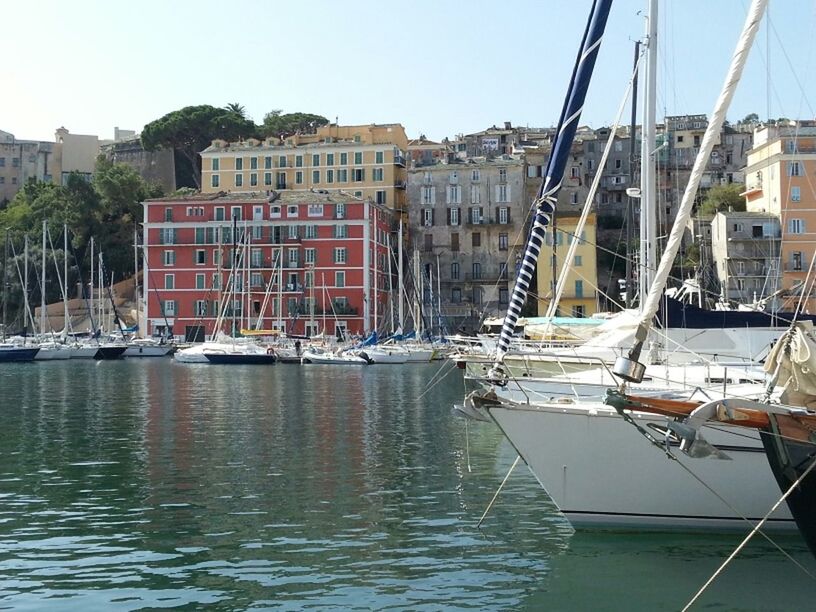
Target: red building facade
[(300, 262)]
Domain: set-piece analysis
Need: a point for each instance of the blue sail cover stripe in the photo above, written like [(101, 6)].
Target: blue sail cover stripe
[(548, 192)]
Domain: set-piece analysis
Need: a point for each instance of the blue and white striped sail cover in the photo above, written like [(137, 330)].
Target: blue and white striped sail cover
[(548, 192)]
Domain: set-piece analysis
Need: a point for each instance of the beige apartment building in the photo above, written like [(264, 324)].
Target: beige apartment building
[(364, 161), (779, 181)]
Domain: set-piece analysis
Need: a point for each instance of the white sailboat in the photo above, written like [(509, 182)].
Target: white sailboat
[(590, 459)]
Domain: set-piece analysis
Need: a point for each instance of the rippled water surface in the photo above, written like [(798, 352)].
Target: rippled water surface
[(150, 484)]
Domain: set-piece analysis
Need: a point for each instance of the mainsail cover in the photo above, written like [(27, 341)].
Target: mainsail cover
[(548, 192), (793, 363)]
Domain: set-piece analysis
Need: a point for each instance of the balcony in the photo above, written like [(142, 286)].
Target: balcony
[(400, 185), (485, 221), (399, 160)]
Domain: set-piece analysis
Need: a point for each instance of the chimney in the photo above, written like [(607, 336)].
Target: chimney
[(507, 125)]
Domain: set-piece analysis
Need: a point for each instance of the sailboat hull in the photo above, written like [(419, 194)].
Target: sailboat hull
[(601, 472), (14, 354), (240, 359)]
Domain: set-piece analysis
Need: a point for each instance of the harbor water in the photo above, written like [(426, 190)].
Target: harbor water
[(148, 484)]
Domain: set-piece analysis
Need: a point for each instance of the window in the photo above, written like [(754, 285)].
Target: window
[(794, 168), (235, 213), (253, 163), (428, 195), (329, 159), (578, 261), (428, 246), (740, 267), (503, 242), (475, 194), (578, 311), (298, 161), (454, 271), (679, 139), (739, 227), (340, 255), (315, 159), (315, 210), (476, 268), (796, 226), (267, 179), (293, 256), (358, 157), (427, 217), (309, 255), (342, 176), (796, 260), (268, 162), (454, 242), (168, 236), (299, 177), (454, 194), (281, 161), (216, 281), (344, 159), (239, 163), (341, 231), (239, 180), (504, 215), (200, 257), (453, 216), (359, 175), (502, 175), (311, 231), (200, 283), (292, 232), (504, 295), (169, 308), (253, 179), (379, 157), (796, 194), (315, 176), (475, 175), (280, 180), (215, 180), (456, 295), (169, 258), (274, 211), (618, 163), (378, 175), (339, 279), (169, 281), (476, 239), (339, 211), (476, 215), (502, 193), (579, 288), (329, 176), (168, 214), (201, 308), (380, 197), (256, 279)]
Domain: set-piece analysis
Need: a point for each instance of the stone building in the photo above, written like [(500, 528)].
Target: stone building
[(153, 166), (468, 220), (21, 160)]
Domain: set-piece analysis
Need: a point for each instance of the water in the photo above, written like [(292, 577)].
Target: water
[(150, 484)]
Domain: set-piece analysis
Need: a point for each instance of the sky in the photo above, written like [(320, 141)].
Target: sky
[(438, 67)]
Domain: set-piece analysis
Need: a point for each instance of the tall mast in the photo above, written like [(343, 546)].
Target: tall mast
[(376, 276), (25, 289), (5, 283), (42, 281), (91, 285), (234, 265), (630, 215), (65, 277), (439, 293), (136, 279), (390, 282), (648, 191), (399, 279)]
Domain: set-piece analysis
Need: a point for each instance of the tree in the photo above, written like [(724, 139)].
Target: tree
[(235, 107), (750, 118), (191, 129), (723, 198), (281, 126)]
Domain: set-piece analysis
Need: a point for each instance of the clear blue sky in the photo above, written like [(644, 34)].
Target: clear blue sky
[(438, 67)]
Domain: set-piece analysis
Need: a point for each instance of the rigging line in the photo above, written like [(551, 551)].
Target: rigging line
[(496, 494), (26, 305), (432, 381), (430, 386), (751, 535)]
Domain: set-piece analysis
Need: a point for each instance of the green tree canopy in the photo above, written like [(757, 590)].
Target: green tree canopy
[(191, 129), (723, 198), (282, 125), (750, 118)]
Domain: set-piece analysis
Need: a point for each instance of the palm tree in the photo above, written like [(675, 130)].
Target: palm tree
[(238, 109)]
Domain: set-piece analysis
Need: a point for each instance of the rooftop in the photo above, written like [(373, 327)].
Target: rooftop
[(284, 197)]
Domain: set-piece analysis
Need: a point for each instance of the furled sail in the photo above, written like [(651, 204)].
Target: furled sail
[(551, 185)]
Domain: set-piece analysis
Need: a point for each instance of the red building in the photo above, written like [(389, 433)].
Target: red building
[(302, 262)]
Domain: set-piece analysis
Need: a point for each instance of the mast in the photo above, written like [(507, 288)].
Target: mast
[(399, 279), (42, 281), (25, 290), (376, 278), (5, 283), (630, 216), (136, 279), (234, 265), (629, 368), (439, 294), (648, 201), (548, 192), (65, 276), (390, 282), (91, 300)]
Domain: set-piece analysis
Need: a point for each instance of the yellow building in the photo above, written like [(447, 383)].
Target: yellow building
[(365, 161), (778, 181), (579, 298)]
